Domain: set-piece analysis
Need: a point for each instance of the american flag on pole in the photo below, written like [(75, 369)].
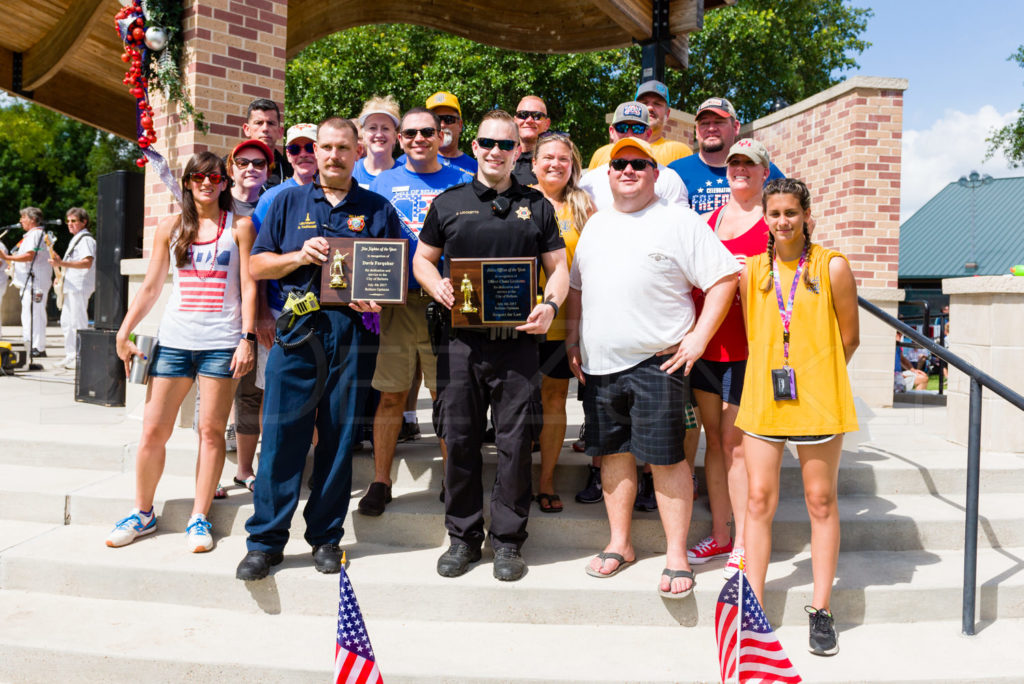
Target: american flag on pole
[(354, 662), (748, 650)]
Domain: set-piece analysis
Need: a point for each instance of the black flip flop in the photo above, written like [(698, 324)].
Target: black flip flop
[(544, 501)]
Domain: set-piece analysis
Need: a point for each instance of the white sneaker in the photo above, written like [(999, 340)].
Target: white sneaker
[(197, 534), (128, 529), (735, 562), (230, 440)]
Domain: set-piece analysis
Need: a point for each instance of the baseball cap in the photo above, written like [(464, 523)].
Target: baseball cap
[(258, 144), (656, 87), (754, 150), (302, 130), (718, 105), (639, 144), (631, 111), (444, 99)]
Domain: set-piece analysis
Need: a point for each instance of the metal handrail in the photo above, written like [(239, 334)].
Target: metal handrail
[(979, 379)]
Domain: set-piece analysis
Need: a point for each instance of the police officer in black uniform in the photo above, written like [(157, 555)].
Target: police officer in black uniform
[(493, 216)]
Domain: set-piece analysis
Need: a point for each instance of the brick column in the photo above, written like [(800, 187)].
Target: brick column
[(234, 53)]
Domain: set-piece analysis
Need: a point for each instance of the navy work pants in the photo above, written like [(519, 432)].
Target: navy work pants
[(291, 408)]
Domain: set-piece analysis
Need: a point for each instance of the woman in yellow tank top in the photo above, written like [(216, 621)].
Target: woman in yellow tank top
[(557, 165), (800, 306)]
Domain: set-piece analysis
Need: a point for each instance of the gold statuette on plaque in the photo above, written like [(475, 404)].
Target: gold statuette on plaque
[(467, 295), (338, 270)]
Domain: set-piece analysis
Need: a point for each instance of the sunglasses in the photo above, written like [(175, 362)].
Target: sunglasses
[(410, 133), (448, 119), (523, 115), (199, 177), (635, 128), (295, 148), (503, 145), (243, 163), (637, 164)]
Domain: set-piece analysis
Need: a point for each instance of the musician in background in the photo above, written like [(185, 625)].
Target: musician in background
[(32, 277), (5, 279), (79, 282)]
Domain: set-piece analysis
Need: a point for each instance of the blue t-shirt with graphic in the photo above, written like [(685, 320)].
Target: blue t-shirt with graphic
[(364, 177), (707, 185), (411, 194)]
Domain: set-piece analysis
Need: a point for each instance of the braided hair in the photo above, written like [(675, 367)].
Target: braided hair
[(797, 188)]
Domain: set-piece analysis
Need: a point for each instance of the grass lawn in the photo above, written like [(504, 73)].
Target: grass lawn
[(933, 383)]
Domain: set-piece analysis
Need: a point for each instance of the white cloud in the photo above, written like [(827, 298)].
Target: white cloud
[(953, 146)]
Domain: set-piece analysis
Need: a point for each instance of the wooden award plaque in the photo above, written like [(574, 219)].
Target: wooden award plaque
[(493, 292), (365, 269)]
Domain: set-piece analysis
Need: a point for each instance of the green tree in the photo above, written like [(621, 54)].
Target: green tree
[(1010, 138), (52, 162), (752, 53)]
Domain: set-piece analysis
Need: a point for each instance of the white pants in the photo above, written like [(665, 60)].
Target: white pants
[(33, 317), (73, 317)]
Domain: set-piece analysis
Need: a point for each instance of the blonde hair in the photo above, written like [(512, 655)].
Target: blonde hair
[(379, 104), (577, 198)]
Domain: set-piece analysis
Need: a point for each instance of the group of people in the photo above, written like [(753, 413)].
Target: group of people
[(32, 267), (671, 280)]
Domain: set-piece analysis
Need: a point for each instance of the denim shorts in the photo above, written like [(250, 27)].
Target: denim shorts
[(171, 362)]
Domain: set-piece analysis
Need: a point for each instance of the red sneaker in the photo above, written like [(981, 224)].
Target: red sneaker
[(708, 550)]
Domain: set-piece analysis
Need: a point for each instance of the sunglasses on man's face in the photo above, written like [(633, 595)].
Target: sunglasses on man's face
[(243, 163), (448, 119), (410, 133), (637, 164), (624, 128), (503, 145), (295, 148), (199, 177), (524, 114)]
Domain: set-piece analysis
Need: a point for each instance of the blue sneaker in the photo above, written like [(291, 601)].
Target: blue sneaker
[(197, 534), (128, 529)]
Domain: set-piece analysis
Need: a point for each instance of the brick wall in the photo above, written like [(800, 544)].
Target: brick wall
[(235, 53)]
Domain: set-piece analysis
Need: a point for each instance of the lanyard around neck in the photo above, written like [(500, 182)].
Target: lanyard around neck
[(786, 310)]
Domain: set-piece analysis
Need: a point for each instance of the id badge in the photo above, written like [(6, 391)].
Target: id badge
[(784, 383)]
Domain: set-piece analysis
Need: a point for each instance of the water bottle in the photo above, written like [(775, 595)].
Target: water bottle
[(139, 373)]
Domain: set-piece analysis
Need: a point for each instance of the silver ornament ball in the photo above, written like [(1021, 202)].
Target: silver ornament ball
[(156, 38)]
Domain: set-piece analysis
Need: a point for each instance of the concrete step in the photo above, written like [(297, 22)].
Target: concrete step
[(129, 640), (397, 583), (415, 517)]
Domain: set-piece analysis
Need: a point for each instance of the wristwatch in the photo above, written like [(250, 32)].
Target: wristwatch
[(249, 336)]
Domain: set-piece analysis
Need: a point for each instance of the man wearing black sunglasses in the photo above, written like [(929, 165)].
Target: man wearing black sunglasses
[(532, 119), (654, 96), (633, 336), (446, 106), (493, 217)]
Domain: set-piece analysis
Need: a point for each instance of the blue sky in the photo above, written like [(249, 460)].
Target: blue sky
[(954, 54)]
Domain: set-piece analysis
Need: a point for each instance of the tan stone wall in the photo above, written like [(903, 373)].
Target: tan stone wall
[(235, 53), (845, 143)]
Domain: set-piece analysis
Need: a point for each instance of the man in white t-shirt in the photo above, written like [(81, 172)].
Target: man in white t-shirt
[(633, 338), (631, 120), (79, 264), (32, 276)]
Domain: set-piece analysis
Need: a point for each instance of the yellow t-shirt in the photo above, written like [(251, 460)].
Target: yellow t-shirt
[(571, 235), (824, 403), (665, 152)]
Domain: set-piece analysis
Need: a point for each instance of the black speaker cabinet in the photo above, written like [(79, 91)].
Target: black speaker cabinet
[(99, 374), (119, 217)]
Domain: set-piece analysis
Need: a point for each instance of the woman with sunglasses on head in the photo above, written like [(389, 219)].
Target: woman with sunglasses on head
[(205, 336), (557, 166), (378, 126), (800, 309)]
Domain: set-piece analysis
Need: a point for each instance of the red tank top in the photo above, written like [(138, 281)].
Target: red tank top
[(729, 343)]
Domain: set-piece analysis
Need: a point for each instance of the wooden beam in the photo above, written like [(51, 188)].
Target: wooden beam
[(44, 59), (633, 16)]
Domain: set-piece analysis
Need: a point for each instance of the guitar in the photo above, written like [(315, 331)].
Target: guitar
[(58, 273)]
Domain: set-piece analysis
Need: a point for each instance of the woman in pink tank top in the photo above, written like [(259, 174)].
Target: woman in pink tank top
[(206, 336)]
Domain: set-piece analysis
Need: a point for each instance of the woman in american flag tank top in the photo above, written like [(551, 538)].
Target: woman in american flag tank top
[(205, 336)]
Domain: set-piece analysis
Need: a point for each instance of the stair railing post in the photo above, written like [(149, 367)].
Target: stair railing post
[(971, 520)]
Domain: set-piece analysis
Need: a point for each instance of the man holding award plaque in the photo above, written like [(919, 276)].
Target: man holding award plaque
[(491, 232), (312, 374), (632, 339)]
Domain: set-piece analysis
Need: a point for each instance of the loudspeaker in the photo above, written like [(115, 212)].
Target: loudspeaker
[(119, 216), (99, 373)]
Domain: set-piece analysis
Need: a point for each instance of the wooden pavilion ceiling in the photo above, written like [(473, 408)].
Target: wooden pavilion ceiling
[(68, 52)]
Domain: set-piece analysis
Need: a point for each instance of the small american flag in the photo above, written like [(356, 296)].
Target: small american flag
[(760, 657), (354, 662)]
